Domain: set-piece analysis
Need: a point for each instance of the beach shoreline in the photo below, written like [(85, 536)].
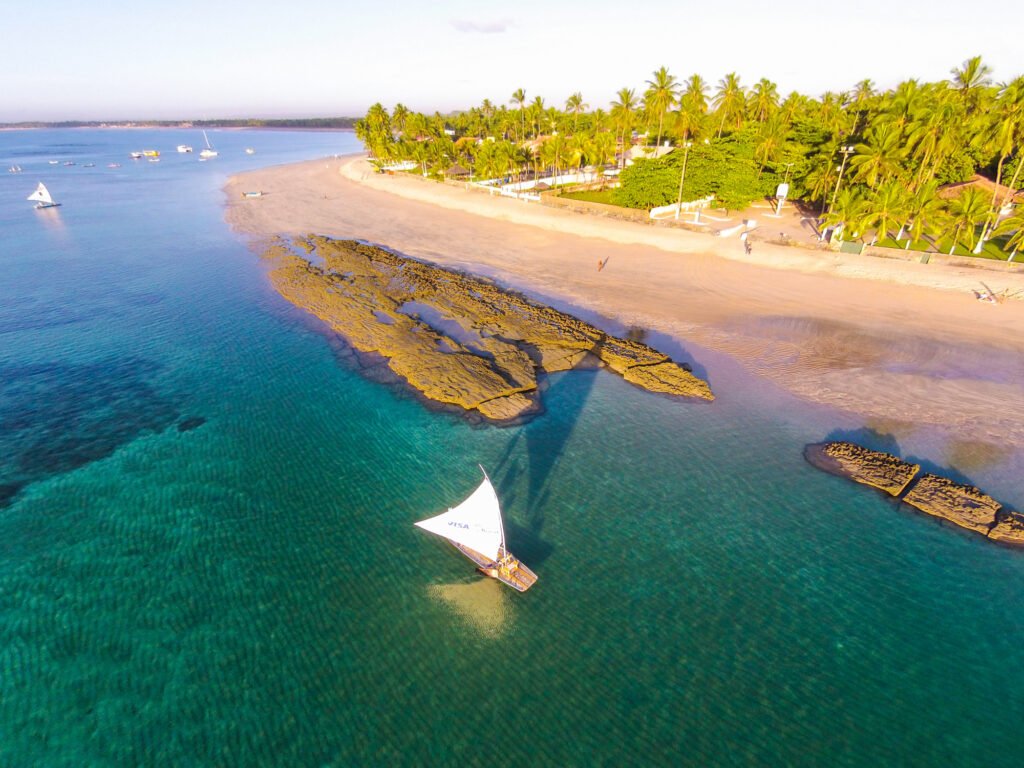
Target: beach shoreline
[(897, 342)]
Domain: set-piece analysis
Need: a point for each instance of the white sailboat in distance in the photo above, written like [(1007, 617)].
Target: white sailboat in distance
[(474, 527), (42, 197), (209, 151)]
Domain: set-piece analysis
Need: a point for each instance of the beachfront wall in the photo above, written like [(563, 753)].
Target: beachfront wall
[(665, 211)]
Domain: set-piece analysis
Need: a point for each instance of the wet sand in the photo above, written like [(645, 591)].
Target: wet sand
[(895, 342)]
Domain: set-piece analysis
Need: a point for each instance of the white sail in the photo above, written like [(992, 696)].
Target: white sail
[(475, 523), (41, 195)]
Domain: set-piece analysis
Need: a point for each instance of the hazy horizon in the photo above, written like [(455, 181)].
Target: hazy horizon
[(188, 61)]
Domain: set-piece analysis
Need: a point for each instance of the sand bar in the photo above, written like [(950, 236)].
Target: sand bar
[(893, 340)]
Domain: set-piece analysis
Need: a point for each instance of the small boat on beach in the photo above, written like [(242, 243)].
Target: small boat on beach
[(136, 155), (475, 528), (42, 197), (184, 148), (253, 194), (209, 151)]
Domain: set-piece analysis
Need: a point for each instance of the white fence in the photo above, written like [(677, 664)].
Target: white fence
[(667, 211)]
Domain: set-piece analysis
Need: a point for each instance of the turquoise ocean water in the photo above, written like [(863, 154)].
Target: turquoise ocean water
[(207, 554)]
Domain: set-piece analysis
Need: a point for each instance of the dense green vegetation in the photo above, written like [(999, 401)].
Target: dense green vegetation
[(871, 164), (250, 122)]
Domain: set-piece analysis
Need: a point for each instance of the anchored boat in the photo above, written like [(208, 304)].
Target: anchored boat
[(209, 151), (475, 528), (42, 197)]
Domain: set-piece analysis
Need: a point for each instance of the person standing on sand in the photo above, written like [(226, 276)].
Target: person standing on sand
[(600, 265)]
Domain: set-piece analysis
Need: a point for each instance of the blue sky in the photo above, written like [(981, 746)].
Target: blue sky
[(101, 59)]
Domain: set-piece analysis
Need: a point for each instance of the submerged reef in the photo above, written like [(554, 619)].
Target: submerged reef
[(457, 339)]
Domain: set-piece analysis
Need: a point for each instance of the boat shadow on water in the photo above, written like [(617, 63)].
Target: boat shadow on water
[(545, 440)]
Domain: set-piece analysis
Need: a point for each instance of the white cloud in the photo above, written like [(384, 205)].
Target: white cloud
[(468, 26)]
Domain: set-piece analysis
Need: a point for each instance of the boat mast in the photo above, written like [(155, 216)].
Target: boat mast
[(501, 522)]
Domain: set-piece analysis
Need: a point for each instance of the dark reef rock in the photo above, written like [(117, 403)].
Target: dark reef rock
[(958, 503), (879, 470), (962, 504)]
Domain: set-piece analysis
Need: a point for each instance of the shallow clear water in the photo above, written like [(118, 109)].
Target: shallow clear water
[(207, 554)]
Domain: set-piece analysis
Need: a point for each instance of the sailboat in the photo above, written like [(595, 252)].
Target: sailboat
[(42, 197), (474, 527), (209, 151)]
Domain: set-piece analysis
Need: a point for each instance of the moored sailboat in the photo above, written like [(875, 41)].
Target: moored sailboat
[(475, 528), (42, 197), (209, 151)]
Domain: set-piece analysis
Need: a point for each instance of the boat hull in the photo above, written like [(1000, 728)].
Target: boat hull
[(508, 570)]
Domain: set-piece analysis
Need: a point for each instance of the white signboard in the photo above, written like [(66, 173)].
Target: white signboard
[(782, 191)]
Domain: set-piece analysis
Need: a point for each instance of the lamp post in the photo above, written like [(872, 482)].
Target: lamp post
[(846, 151), (686, 155), (783, 190)]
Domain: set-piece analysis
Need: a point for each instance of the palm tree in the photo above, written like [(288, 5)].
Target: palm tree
[(880, 157), (695, 94), (970, 80), (1014, 227), (764, 99), (603, 147), (769, 141), (966, 212), (924, 212), (1002, 133), (536, 114), (932, 136), (821, 181), (574, 105), (906, 101), (552, 152), (729, 100), (398, 117), (831, 115), (883, 209), (660, 96), (792, 106), (623, 109), (519, 97), (847, 210)]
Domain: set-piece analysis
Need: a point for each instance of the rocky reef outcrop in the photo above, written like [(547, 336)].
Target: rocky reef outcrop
[(959, 503), (875, 468), (457, 339)]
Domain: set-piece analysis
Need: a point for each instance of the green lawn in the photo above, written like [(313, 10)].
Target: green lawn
[(991, 250), (592, 196)]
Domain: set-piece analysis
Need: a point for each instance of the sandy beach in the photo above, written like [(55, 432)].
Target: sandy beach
[(900, 343)]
